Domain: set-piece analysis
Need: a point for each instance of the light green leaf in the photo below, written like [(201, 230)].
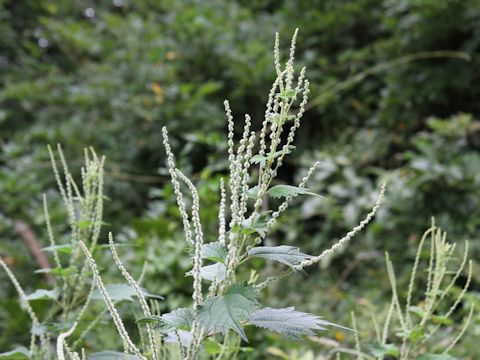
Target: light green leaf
[(288, 255), (259, 225), (252, 193), (258, 159), (185, 337), (382, 350), (20, 353), (43, 294), (212, 347), (209, 272), (215, 252), (65, 249), (224, 312), (57, 271), (279, 191), (122, 292), (288, 322), (181, 318)]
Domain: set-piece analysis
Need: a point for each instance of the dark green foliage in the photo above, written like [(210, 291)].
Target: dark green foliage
[(111, 81)]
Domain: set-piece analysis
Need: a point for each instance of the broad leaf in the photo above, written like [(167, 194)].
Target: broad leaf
[(112, 355), (180, 318), (285, 254), (20, 353), (43, 294), (221, 313), (122, 292), (185, 337), (288, 322), (259, 225), (210, 272), (215, 252), (279, 191)]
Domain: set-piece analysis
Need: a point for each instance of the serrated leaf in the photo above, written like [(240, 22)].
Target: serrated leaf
[(258, 159), (279, 191), (180, 318), (209, 272), (43, 294), (185, 337), (288, 322), (224, 312), (382, 350), (288, 255), (122, 292), (112, 355), (215, 252), (259, 225), (20, 353)]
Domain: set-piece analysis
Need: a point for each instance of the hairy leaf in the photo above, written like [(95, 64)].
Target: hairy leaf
[(288, 322), (279, 191), (215, 252), (209, 272), (288, 255), (259, 224), (221, 313), (122, 292), (185, 337), (181, 318)]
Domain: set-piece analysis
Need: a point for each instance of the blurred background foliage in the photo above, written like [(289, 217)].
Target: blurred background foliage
[(110, 74)]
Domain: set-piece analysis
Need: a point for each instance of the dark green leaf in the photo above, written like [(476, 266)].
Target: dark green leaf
[(225, 312)]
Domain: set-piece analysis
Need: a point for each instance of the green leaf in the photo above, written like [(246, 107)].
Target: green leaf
[(258, 159), (209, 272), (57, 271), (259, 225), (43, 294), (122, 292), (224, 312), (181, 318), (288, 255), (212, 347), (382, 350), (65, 249), (286, 94), (111, 355), (185, 337), (288, 322), (252, 193), (19, 353), (215, 252), (417, 310), (279, 191)]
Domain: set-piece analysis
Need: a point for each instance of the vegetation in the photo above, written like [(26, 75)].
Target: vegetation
[(396, 102)]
